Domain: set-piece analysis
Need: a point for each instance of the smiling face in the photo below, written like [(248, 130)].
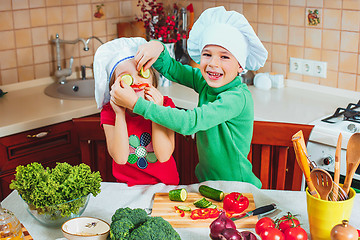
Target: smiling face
[(218, 66), (129, 67)]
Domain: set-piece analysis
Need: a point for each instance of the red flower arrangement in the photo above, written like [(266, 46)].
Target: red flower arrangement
[(158, 25)]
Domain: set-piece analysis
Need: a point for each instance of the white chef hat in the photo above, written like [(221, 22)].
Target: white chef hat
[(106, 59), (228, 29)]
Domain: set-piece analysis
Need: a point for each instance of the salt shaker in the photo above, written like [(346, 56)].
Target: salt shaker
[(10, 227), (344, 231)]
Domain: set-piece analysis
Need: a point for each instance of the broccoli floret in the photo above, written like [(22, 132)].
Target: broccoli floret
[(120, 229), (137, 216), (155, 228)]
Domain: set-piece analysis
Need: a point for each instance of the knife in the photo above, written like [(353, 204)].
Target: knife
[(257, 211)]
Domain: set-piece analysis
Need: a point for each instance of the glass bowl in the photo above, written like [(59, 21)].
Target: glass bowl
[(56, 215)]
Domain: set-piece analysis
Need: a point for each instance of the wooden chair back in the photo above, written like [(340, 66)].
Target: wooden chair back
[(93, 147), (272, 154)]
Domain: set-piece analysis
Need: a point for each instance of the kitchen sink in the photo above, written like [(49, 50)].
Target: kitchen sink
[(72, 89)]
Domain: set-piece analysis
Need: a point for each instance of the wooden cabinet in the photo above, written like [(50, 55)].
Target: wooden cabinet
[(47, 145)]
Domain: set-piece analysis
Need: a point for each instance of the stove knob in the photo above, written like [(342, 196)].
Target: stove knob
[(328, 160), (352, 128)]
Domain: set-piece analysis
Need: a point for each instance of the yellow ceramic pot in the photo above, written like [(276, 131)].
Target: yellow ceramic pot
[(324, 215)]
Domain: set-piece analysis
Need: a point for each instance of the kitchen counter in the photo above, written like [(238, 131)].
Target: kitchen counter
[(117, 195), (26, 107)]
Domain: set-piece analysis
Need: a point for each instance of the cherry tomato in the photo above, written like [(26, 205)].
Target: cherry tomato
[(295, 233), (286, 222), (263, 224), (272, 234)]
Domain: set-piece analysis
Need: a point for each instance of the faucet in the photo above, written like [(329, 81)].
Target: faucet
[(61, 74), (83, 71)]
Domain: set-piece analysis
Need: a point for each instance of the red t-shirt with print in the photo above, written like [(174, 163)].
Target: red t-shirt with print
[(142, 166)]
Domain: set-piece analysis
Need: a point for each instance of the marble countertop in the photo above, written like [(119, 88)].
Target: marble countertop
[(27, 107)]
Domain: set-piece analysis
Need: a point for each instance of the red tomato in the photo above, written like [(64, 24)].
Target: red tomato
[(296, 233), (287, 221), (263, 224), (272, 234)]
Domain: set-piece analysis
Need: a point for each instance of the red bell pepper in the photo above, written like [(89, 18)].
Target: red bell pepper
[(204, 213), (182, 213), (235, 202), (140, 86)]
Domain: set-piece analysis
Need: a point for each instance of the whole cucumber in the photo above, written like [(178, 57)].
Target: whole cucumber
[(212, 193)]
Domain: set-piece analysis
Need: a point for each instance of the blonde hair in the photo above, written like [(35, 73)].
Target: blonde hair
[(153, 72)]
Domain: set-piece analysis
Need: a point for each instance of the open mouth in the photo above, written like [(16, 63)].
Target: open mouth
[(214, 75)]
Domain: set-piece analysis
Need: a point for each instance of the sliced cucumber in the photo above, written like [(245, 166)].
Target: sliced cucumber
[(127, 78), (212, 206), (179, 195), (144, 74), (212, 193), (184, 208), (202, 203)]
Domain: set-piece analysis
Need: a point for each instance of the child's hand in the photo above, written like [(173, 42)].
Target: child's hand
[(123, 95), (147, 54), (153, 95), (117, 109)]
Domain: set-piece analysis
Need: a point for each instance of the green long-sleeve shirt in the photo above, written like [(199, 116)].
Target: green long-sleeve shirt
[(223, 122)]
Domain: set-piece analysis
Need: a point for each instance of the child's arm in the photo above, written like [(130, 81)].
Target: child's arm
[(154, 54), (163, 138), (226, 106), (117, 136)]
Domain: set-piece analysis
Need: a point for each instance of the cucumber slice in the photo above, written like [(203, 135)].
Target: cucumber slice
[(144, 74), (179, 195), (127, 78), (184, 208), (212, 206), (212, 193), (202, 203)]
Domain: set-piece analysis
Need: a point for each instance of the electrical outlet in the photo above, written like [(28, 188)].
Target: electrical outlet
[(308, 67), (320, 69), (296, 65)]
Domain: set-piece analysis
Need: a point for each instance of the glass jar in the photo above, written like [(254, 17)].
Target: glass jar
[(10, 227)]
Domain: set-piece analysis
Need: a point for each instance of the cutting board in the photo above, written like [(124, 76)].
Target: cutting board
[(131, 29), (164, 207)]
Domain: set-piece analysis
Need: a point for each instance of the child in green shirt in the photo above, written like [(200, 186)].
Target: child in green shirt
[(224, 44)]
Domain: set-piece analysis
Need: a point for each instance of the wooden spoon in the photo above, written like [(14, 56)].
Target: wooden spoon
[(352, 160), (322, 181), (304, 165), (337, 167)]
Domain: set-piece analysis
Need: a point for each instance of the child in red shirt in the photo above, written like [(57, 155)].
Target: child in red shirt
[(141, 149)]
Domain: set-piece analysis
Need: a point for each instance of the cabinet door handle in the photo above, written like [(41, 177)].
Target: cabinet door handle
[(39, 135)]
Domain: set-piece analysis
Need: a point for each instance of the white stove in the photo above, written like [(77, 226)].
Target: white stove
[(324, 136)]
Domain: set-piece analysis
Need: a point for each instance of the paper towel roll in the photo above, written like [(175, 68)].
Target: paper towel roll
[(262, 81)]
